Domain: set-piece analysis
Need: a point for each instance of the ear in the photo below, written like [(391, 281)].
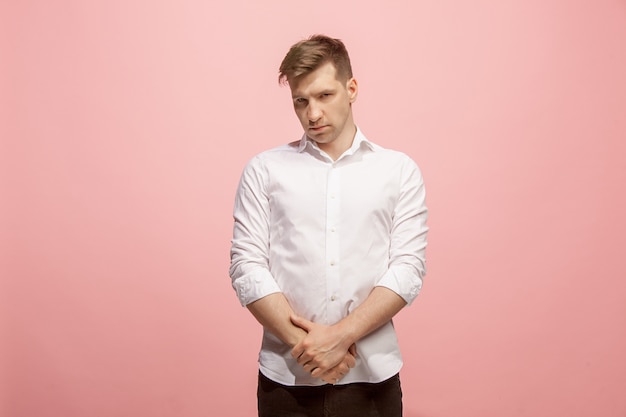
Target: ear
[(353, 89)]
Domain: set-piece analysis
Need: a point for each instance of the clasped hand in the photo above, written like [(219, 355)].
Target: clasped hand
[(324, 351)]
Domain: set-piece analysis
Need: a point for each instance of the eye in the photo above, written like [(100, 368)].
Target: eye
[(300, 101)]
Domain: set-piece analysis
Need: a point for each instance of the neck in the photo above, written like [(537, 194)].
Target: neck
[(341, 144)]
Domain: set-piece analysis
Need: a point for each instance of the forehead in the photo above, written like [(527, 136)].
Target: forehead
[(322, 78)]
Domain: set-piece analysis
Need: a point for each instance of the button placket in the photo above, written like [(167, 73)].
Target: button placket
[(332, 243)]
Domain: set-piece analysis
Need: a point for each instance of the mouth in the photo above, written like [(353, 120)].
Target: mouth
[(317, 128)]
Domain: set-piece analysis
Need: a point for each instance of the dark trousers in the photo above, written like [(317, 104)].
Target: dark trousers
[(383, 399)]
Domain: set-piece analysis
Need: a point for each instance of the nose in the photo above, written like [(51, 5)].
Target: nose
[(314, 112)]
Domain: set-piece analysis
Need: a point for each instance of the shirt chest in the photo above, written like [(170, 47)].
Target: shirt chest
[(304, 193)]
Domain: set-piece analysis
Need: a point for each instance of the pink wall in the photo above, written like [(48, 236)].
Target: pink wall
[(125, 125)]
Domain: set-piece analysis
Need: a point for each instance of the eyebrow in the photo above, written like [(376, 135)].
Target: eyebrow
[(325, 91)]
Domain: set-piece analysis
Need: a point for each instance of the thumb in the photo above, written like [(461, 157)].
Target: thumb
[(302, 323)]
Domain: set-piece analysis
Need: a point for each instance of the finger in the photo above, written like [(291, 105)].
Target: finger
[(352, 349), (302, 323), (337, 378), (316, 372), (320, 368), (349, 360), (336, 371), (311, 369), (342, 369), (331, 377), (304, 358), (327, 375), (297, 351)]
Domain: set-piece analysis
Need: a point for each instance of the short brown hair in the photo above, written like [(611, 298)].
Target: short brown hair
[(308, 55)]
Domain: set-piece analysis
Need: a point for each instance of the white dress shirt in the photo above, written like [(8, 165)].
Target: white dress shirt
[(325, 233)]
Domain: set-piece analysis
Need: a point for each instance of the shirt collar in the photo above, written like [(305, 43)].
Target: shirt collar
[(359, 141)]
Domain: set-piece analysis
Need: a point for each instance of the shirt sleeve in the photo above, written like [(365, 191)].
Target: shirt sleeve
[(249, 254), (407, 262)]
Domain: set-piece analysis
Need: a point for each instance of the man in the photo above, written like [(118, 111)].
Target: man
[(328, 245)]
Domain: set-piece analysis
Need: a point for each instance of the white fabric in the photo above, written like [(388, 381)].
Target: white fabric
[(325, 233)]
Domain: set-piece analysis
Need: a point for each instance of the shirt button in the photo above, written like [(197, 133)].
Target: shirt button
[(332, 263), (332, 230), (333, 298)]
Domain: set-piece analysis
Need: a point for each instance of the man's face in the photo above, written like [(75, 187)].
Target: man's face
[(323, 105)]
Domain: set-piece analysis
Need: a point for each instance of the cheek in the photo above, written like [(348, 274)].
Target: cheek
[(339, 111)]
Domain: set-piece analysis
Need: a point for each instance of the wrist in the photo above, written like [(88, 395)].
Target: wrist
[(347, 332), (295, 337)]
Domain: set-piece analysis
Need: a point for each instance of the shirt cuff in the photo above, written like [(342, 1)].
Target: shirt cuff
[(404, 281), (255, 285)]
